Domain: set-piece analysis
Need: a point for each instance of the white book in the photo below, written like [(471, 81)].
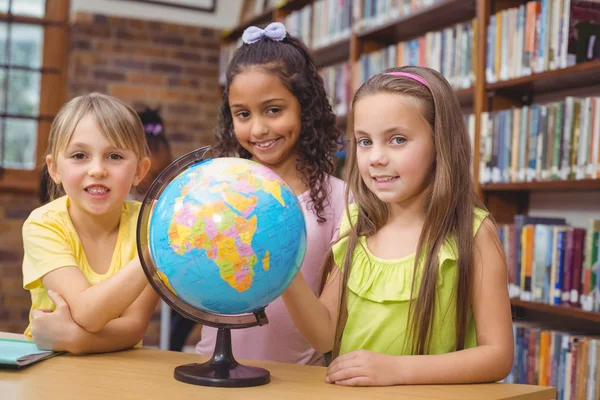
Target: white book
[(565, 166), (592, 369), (557, 11), (485, 149), (584, 139), (564, 38), (595, 161)]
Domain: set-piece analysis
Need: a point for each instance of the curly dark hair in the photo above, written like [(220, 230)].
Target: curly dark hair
[(319, 136)]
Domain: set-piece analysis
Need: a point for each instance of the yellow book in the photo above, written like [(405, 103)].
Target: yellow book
[(544, 358), (526, 262)]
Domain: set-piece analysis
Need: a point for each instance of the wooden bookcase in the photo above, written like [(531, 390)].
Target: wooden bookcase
[(503, 200)]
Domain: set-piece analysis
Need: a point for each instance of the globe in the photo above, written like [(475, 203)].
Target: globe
[(220, 239)]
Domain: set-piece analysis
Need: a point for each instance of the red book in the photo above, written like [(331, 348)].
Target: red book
[(577, 267)]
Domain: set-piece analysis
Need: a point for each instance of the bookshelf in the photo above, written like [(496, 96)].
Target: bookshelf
[(558, 311), (484, 96), (551, 186), (577, 76)]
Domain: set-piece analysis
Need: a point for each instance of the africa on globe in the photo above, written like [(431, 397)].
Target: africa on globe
[(227, 236)]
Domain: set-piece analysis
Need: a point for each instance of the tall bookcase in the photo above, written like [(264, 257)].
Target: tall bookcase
[(504, 200)]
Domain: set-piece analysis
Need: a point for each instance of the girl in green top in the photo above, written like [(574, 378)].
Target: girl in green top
[(415, 290)]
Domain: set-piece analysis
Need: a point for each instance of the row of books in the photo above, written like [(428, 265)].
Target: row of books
[(321, 23), (566, 361), (300, 24), (540, 142), (336, 79), (325, 22), (378, 12), (332, 22), (349, 14), (540, 36), (450, 51), (553, 263)]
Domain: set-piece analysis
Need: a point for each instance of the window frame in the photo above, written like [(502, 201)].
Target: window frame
[(53, 88)]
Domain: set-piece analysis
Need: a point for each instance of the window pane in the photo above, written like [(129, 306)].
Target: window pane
[(4, 6), (3, 74), (30, 8), (26, 45), (23, 92), (3, 36), (19, 143)]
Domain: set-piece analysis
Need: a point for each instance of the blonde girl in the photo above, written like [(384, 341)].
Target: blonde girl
[(88, 291)]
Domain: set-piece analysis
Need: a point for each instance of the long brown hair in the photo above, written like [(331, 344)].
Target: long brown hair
[(449, 204)]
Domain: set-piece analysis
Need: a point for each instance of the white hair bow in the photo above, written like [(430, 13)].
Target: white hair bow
[(274, 31)]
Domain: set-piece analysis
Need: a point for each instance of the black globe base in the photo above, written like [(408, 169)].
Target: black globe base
[(222, 370)]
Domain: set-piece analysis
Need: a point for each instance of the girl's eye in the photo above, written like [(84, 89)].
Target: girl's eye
[(243, 114), (364, 142), (398, 140), (78, 156), (274, 110), (115, 157)]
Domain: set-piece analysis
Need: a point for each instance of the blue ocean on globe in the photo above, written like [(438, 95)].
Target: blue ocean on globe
[(227, 236)]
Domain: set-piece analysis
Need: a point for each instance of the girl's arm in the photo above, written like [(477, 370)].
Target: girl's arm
[(490, 361), (58, 331), (315, 318), (92, 307)]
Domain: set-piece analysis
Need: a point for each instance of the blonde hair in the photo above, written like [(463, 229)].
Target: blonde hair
[(117, 121)]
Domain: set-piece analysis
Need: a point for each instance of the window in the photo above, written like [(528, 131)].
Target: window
[(33, 62)]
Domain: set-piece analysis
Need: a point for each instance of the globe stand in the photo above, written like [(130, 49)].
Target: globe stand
[(222, 369)]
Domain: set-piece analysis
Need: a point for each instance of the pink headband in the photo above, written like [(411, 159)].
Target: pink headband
[(410, 76)]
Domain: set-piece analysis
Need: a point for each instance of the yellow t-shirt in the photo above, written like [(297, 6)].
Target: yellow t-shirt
[(379, 292), (50, 242)]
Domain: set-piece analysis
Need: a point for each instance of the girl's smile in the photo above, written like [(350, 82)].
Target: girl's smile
[(266, 117)]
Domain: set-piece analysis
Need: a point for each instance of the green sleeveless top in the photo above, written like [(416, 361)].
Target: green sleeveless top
[(378, 296)]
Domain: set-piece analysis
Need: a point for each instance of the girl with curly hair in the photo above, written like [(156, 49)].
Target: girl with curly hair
[(275, 111)]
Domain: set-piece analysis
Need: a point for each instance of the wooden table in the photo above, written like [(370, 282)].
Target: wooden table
[(148, 374)]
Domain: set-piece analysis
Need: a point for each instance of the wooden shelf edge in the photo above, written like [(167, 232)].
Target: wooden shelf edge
[(586, 67), (441, 8), (333, 53), (583, 184), (293, 5), (557, 310), (24, 19)]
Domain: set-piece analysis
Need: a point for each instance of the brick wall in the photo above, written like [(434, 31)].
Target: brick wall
[(14, 300), (151, 63), (145, 63)]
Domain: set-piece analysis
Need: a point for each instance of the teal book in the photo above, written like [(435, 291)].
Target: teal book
[(16, 354)]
